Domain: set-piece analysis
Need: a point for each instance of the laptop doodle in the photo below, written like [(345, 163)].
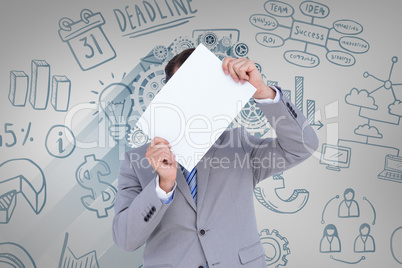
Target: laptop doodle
[(393, 169)]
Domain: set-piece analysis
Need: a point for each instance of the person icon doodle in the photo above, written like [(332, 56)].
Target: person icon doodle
[(364, 242), (348, 208), (330, 240)]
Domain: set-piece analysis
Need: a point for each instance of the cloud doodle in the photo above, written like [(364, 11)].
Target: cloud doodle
[(369, 131), (361, 98), (396, 108)]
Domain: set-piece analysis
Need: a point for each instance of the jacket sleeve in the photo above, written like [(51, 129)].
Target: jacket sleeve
[(138, 210), (296, 140)]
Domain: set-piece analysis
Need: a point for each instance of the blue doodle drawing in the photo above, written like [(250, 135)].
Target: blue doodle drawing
[(389, 107), (148, 84), (40, 88), (116, 103), (275, 247), (381, 105), (60, 141), (40, 84), (103, 194), (330, 241), (13, 140), (272, 200), (396, 244), (69, 260), (309, 34), (86, 39), (362, 258), (348, 208), (25, 177), (335, 157), (14, 255), (137, 138), (18, 88), (150, 17), (299, 101), (364, 242), (61, 88), (393, 169)]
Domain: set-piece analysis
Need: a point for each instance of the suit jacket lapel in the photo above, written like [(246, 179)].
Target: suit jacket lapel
[(183, 186), (203, 168)]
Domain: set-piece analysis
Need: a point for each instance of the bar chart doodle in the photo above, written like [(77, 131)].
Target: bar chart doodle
[(69, 260), (309, 34), (41, 89), (86, 39), (299, 102), (18, 88)]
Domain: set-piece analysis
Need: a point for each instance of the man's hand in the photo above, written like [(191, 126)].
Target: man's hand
[(242, 70), (163, 161)]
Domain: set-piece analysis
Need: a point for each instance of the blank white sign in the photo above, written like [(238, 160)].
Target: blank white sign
[(195, 106)]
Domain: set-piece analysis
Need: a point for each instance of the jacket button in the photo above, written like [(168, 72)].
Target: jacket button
[(153, 209), (202, 232), (145, 219), (151, 212), (200, 266)]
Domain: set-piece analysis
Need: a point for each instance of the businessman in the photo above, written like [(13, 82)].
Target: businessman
[(205, 217)]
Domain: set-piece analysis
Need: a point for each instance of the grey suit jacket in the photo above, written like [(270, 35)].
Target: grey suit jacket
[(222, 228)]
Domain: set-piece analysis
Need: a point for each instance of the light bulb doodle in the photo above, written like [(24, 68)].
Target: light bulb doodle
[(115, 101)]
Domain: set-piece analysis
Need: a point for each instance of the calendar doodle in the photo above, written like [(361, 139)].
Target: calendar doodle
[(86, 39)]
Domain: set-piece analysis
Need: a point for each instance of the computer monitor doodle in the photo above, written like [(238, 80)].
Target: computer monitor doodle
[(335, 156)]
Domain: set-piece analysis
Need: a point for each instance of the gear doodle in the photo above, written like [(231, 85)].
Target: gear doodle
[(160, 52), (240, 50), (275, 247), (252, 118), (137, 138), (182, 43), (226, 42), (147, 85), (209, 39), (258, 66)]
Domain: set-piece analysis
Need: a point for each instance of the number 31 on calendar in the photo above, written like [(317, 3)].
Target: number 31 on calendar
[(86, 39)]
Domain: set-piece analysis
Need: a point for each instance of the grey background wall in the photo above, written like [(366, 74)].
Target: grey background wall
[(337, 60)]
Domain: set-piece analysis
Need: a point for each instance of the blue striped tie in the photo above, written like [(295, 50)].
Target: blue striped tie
[(191, 178)]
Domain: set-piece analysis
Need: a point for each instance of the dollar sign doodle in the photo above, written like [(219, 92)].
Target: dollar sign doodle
[(103, 194)]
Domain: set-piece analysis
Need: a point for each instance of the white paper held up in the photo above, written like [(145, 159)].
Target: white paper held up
[(195, 106)]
